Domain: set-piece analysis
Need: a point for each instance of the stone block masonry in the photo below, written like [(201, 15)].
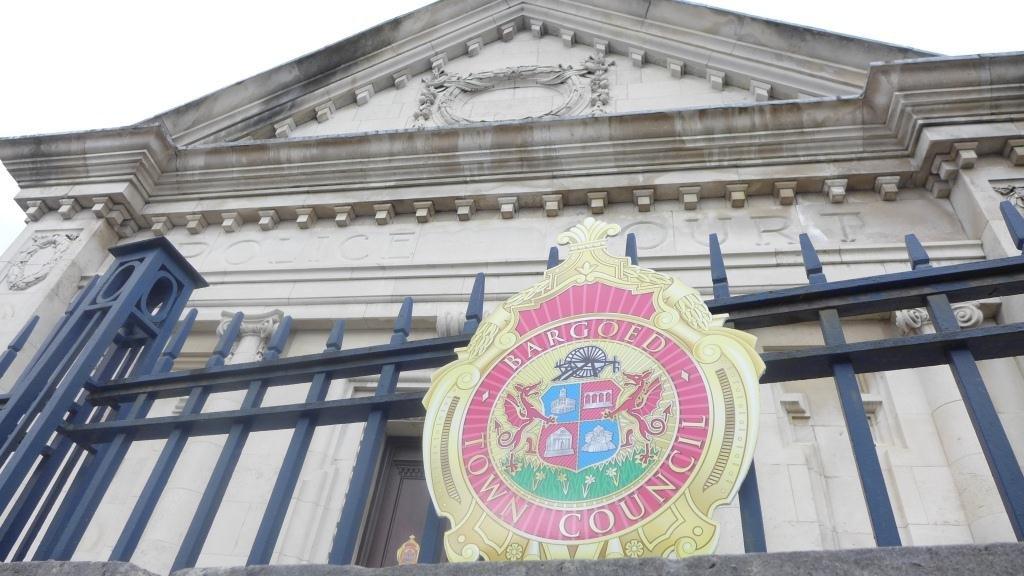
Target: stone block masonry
[(991, 560)]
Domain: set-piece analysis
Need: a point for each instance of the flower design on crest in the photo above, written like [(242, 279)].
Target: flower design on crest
[(514, 551), (634, 549)]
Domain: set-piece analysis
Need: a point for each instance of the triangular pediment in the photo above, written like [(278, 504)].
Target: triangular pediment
[(458, 62), (527, 77)]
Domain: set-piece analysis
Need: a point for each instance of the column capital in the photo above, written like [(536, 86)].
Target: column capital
[(253, 335), (968, 315)]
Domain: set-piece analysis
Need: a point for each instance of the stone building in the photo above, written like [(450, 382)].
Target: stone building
[(464, 137)]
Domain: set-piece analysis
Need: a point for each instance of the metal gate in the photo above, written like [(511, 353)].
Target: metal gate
[(84, 397)]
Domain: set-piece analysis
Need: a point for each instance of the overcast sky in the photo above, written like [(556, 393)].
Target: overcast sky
[(77, 65)]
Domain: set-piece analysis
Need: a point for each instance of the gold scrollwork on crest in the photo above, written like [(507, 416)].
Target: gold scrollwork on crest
[(520, 376)]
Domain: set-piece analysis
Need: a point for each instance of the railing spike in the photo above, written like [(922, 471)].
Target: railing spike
[(22, 337), (812, 264), (227, 339), (1014, 223), (335, 337), (475, 308), (552, 257), (719, 278), (918, 255), (173, 349), (8, 356), (279, 339), (403, 322), (631, 250), (81, 294)]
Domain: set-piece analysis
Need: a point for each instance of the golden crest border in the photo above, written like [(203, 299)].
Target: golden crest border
[(728, 363)]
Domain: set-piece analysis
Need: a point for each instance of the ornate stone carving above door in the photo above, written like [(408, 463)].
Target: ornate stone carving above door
[(515, 93), (37, 257)]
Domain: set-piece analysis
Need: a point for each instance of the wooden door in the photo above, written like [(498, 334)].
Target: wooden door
[(398, 508)]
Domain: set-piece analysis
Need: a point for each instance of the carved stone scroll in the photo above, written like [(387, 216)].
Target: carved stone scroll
[(915, 320)]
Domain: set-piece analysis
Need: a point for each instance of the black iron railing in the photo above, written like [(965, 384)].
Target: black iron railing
[(85, 396)]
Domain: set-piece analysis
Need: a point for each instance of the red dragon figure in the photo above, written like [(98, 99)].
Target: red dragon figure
[(520, 411), (641, 403)]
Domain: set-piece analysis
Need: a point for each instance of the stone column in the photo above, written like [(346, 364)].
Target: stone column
[(979, 498)]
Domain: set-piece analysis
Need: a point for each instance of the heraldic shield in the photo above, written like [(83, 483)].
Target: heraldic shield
[(583, 434), (602, 412)]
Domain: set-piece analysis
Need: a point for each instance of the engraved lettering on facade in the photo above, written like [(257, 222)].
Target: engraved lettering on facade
[(401, 245), (192, 249), (773, 228), (703, 226), (242, 252), (282, 250), (850, 224), (649, 235), (355, 247)]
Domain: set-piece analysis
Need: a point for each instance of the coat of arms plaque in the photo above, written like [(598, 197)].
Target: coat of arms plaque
[(602, 412)]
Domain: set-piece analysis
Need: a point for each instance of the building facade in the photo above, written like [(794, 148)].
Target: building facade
[(463, 138)]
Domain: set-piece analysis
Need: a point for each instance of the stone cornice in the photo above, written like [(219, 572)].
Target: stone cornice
[(137, 154), (799, 59), (709, 38), (899, 100), (931, 104), (310, 80), (739, 142)]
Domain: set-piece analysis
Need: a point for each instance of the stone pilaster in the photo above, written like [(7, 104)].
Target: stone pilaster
[(979, 498), (41, 272)]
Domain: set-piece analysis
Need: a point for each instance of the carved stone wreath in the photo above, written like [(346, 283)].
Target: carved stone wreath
[(31, 265), (580, 89)]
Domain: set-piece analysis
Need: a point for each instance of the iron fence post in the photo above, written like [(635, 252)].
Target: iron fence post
[(294, 458), (869, 469), (751, 515), (349, 526), (230, 452), (987, 425), (132, 531)]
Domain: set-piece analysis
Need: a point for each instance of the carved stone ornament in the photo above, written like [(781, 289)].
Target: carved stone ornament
[(449, 322), (1012, 192), (452, 99), (253, 335), (35, 260), (913, 321)]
